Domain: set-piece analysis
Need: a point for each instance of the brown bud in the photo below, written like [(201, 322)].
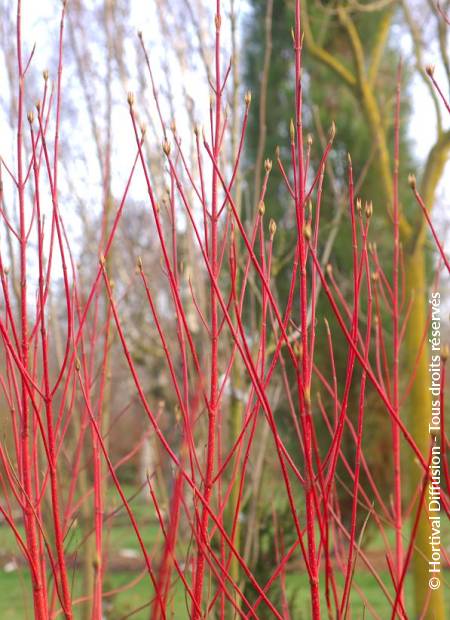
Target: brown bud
[(307, 231), (217, 21), (368, 209), (166, 148), (130, 99), (96, 562), (359, 205), (429, 70), (38, 106), (292, 131), (45, 74), (77, 364), (261, 208), (268, 165), (309, 139), (248, 97), (143, 129), (139, 264), (329, 269), (412, 181), (272, 228), (173, 127), (30, 117), (375, 276), (307, 396), (332, 132)]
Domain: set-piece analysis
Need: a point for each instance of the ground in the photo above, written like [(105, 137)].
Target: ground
[(128, 585)]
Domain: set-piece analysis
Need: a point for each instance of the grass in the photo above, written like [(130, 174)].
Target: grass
[(15, 600)]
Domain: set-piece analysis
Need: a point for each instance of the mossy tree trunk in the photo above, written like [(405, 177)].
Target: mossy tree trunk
[(361, 81)]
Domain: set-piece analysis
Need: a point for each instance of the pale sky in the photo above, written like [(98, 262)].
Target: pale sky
[(40, 25)]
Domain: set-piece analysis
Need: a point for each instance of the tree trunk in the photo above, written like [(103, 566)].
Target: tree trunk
[(419, 419)]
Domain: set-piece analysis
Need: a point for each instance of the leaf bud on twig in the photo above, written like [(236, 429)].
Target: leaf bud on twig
[(332, 131), (277, 152), (130, 99), (45, 74), (429, 69), (268, 165), (261, 208), (309, 139), (272, 228), (307, 395), (248, 97), (307, 231), (30, 117), (359, 205), (369, 209), (329, 269), (412, 181), (292, 131), (166, 148)]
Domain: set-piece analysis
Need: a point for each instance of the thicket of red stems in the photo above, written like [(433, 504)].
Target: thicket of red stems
[(56, 408)]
